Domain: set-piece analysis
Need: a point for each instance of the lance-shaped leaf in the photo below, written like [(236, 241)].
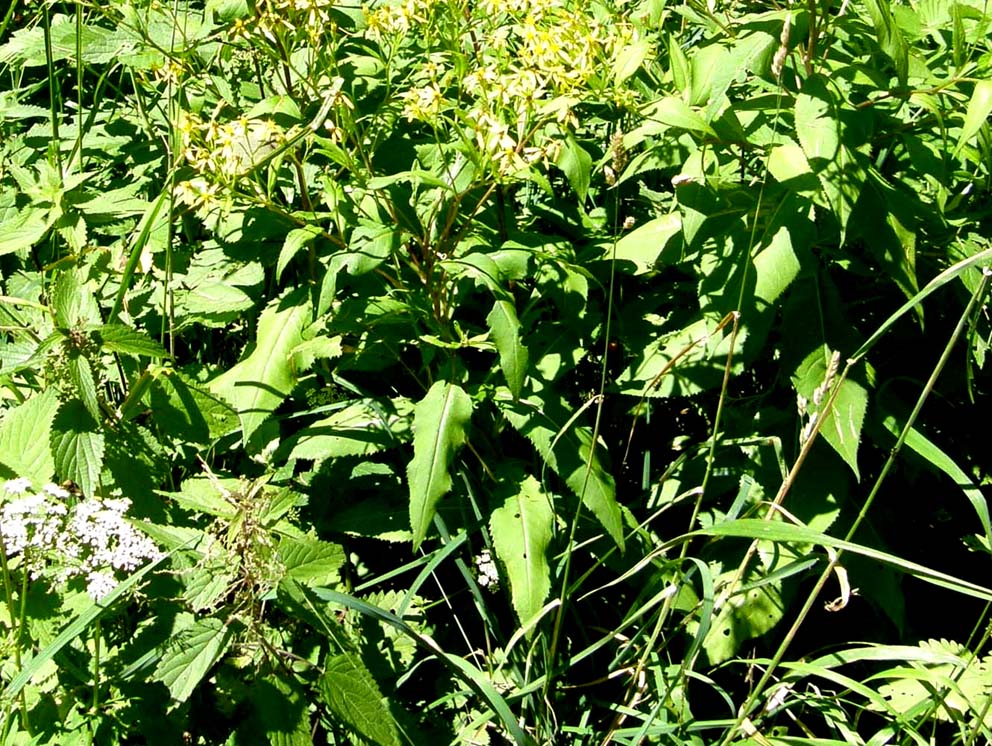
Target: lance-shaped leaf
[(521, 530), (259, 383), (513, 357), (191, 654), (439, 422), (568, 449)]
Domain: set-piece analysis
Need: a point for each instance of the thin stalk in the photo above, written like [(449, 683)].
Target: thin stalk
[(16, 627), (834, 560), (52, 88)]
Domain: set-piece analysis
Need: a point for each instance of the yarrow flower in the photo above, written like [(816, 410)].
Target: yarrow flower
[(91, 539), (488, 573)]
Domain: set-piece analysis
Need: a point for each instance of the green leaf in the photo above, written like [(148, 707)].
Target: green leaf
[(979, 108), (841, 425), (649, 244), (776, 266), (310, 561), (568, 449), (296, 239), (629, 59), (890, 37), (817, 126), (743, 617), (186, 412), (439, 422), (360, 429), (673, 112), (77, 446), (576, 163), (280, 709), (513, 356), (124, 339), (81, 376), (22, 229), (263, 378), (73, 302), (25, 436), (190, 654), (350, 692), (521, 530)]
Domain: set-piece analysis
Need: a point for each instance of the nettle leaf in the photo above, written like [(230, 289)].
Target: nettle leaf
[(360, 429), (513, 355), (311, 561), (841, 426), (74, 304), (191, 653), (568, 449), (25, 435), (22, 229), (128, 341), (259, 383), (521, 530), (350, 692), (440, 420), (77, 446), (81, 376)]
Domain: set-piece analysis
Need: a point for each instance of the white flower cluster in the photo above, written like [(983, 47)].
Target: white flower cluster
[(488, 573), (91, 538)]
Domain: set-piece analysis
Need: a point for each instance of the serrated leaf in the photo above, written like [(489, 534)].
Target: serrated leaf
[(439, 423), (360, 429), (259, 383), (124, 339), (311, 561), (190, 655), (77, 446), (350, 692), (81, 376), (841, 425), (521, 530), (22, 229), (568, 449), (513, 356), (74, 303), (281, 711), (25, 435)]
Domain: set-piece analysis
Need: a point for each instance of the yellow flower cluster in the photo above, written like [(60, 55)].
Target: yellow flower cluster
[(226, 150)]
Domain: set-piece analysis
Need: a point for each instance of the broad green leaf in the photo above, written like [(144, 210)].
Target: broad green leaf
[(576, 163), (296, 239), (648, 244), (350, 692), (629, 59), (743, 617), (73, 302), (184, 411), (776, 266), (817, 126), (259, 383), (788, 164), (190, 654), (25, 434), (979, 108), (841, 425), (281, 710), (310, 561), (360, 429), (890, 38), (521, 530), (77, 446), (674, 112), (21, 230), (439, 422), (513, 356), (81, 376), (124, 339), (568, 449)]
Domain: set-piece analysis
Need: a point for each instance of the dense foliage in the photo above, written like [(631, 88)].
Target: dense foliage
[(529, 371)]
